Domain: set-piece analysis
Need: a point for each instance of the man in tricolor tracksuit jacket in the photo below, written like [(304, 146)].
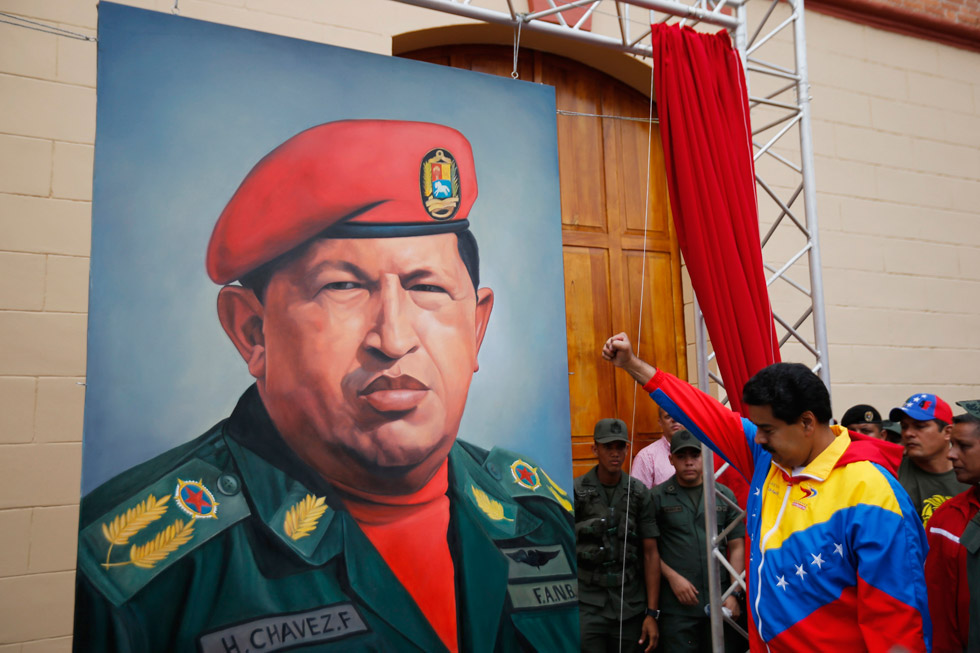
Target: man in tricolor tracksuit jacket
[(836, 547)]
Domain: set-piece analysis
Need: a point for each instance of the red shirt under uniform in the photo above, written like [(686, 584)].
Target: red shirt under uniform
[(946, 581)]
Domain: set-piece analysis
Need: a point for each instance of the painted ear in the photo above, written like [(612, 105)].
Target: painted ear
[(484, 305), (241, 315)]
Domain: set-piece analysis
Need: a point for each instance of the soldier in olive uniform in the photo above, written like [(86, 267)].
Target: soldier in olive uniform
[(336, 508), (615, 533), (684, 555)]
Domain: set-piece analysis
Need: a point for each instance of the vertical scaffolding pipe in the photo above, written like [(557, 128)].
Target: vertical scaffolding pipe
[(810, 193), (709, 501)]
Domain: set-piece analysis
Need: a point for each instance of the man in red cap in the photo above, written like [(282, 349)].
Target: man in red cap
[(926, 472), (336, 505)]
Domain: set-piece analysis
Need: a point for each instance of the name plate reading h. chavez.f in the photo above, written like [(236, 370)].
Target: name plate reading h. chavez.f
[(283, 631)]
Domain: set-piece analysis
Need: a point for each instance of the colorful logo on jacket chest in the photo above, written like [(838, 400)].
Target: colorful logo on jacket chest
[(809, 492), (196, 500), (525, 475)]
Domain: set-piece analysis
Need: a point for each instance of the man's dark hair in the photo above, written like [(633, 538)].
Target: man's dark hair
[(789, 389), (967, 418), (258, 279)]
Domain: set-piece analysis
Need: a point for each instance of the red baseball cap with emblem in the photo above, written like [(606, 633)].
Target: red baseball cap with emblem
[(345, 179)]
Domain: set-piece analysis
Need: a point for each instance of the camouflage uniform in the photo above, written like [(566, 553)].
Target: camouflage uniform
[(600, 525)]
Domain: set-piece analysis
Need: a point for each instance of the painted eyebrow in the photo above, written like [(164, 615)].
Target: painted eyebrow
[(421, 274), (343, 266)]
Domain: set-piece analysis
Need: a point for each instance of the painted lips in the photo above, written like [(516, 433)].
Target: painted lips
[(388, 394)]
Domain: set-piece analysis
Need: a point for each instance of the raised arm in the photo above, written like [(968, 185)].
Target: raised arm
[(724, 431)]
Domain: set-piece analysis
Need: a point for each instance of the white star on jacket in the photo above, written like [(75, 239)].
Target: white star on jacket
[(800, 571), (782, 582), (839, 549), (817, 560)]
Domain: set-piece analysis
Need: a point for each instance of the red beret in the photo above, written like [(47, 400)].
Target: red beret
[(358, 178)]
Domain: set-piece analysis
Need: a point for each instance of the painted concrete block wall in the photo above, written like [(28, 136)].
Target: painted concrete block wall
[(897, 125)]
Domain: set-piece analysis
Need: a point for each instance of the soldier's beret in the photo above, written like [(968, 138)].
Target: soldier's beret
[(355, 178)]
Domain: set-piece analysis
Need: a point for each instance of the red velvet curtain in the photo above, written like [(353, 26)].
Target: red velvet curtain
[(704, 125)]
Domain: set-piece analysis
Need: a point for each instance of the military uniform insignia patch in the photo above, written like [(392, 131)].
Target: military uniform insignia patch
[(439, 181), (868, 416), (196, 500), (301, 520), (490, 507), (525, 475), (125, 526), (542, 561)]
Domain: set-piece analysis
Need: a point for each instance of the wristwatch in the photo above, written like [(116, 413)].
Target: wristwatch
[(653, 613)]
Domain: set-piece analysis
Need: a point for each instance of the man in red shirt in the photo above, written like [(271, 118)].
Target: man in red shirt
[(953, 563)]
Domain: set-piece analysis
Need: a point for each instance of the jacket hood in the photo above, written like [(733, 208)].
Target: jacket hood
[(865, 447)]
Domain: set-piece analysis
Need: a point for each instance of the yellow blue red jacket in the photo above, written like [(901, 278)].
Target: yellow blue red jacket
[(836, 551)]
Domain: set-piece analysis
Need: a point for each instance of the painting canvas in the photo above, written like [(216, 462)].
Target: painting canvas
[(327, 400)]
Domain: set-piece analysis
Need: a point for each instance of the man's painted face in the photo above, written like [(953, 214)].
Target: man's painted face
[(611, 455), (785, 442), (370, 346), (688, 469), (964, 452), (924, 441), (873, 430)]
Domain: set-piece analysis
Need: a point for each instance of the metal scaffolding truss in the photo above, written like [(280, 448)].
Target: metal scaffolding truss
[(770, 36)]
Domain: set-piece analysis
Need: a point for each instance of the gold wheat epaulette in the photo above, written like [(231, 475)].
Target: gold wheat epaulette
[(147, 533)]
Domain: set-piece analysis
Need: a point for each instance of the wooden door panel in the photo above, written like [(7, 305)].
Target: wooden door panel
[(582, 176), (656, 340), (590, 380)]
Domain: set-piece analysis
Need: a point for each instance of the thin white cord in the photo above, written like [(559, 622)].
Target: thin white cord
[(517, 45), (639, 332)]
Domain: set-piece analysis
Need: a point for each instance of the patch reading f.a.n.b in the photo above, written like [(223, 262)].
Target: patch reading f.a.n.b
[(285, 631), (543, 595), (439, 181)]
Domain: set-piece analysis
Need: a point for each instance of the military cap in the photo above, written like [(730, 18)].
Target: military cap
[(894, 427), (355, 178), (610, 430), (923, 407), (860, 414), (971, 406), (684, 439)]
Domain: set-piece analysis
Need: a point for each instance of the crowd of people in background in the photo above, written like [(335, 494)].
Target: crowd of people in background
[(864, 532)]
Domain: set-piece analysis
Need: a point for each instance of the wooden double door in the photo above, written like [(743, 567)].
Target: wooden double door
[(611, 283)]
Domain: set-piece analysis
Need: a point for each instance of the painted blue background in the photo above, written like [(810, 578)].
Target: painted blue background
[(185, 109)]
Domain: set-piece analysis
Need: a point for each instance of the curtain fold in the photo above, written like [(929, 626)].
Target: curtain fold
[(704, 125)]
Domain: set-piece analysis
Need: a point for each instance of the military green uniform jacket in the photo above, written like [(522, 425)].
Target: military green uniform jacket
[(599, 528), (231, 544), (682, 541)]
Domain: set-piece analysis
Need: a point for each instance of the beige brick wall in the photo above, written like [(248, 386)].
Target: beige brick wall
[(897, 129)]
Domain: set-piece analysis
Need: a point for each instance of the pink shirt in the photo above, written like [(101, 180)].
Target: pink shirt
[(651, 466)]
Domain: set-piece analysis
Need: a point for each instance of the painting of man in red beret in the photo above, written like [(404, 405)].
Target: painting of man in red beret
[(337, 506)]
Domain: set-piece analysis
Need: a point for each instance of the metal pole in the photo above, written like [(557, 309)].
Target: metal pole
[(710, 512), (810, 194)]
